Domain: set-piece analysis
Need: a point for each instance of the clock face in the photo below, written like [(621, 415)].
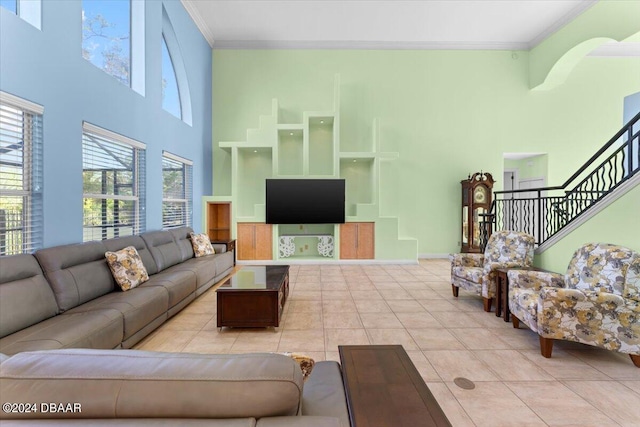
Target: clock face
[(480, 194)]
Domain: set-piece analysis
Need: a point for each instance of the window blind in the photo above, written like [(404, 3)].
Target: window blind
[(113, 180), (21, 212), (177, 191)]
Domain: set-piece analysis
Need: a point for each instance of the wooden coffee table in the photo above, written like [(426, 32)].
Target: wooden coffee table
[(253, 297), (384, 388)]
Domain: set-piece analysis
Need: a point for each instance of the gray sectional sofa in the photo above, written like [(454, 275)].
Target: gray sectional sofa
[(66, 297), (131, 387)]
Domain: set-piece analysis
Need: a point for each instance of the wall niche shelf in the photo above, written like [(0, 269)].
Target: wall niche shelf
[(312, 149)]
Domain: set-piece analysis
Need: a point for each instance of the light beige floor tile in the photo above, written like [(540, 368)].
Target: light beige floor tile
[(188, 322), (405, 306), (511, 365), (304, 306), (633, 385), (418, 320), (304, 278), (201, 306), (564, 366), (437, 305), (317, 356), (337, 306), (305, 295), (380, 321), (450, 364), (479, 339), (370, 294), (342, 320), (610, 397), (424, 294), (390, 294), (304, 320), (361, 286), (423, 366), (372, 306), (451, 319), (550, 400), (474, 305), (435, 339), (420, 285), (296, 341), (449, 404), (335, 337), (308, 286), (335, 286), (387, 286), (519, 339), (493, 404), (615, 365), (332, 355), (336, 295), (392, 336), (211, 342), (263, 341), (169, 341)]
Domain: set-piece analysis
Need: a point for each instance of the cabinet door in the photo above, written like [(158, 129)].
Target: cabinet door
[(348, 240), (245, 243), (366, 240), (263, 246)]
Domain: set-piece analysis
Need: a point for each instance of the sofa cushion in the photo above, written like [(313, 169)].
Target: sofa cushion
[(77, 273), (94, 329), (201, 245), (129, 422), (137, 242), (181, 236), (599, 267), (163, 248), (127, 267), (178, 283), (139, 306), (140, 384), (224, 263), (204, 268), (25, 295)]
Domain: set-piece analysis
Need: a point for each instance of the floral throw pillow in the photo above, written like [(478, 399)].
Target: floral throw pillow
[(201, 245), (127, 268), (306, 363)]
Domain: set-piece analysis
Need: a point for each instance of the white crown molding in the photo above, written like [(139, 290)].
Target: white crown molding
[(192, 10), (570, 16), (364, 45)]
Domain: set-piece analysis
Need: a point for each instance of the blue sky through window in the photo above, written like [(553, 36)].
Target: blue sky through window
[(170, 94), (11, 5), (106, 36)]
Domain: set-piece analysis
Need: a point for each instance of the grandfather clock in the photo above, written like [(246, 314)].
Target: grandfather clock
[(476, 201)]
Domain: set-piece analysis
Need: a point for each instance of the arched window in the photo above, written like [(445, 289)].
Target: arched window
[(170, 92)]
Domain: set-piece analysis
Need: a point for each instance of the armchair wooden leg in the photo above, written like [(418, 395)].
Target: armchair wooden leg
[(635, 358), (546, 346), (455, 290), (515, 321), (487, 303)]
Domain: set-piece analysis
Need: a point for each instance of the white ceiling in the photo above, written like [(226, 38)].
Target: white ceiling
[(364, 24)]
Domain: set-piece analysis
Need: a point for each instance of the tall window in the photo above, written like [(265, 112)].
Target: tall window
[(106, 36), (170, 94), (177, 192), (21, 217), (10, 5), (113, 180), (29, 10)]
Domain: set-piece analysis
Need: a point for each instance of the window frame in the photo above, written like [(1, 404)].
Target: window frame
[(138, 191), (187, 189), (32, 218)]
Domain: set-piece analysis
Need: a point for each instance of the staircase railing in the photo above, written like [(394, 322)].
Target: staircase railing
[(543, 212)]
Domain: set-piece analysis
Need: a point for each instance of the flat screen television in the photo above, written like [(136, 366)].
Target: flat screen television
[(305, 201)]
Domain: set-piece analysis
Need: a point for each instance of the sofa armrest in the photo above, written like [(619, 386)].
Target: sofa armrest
[(323, 393), (220, 248), (528, 279), (466, 260)]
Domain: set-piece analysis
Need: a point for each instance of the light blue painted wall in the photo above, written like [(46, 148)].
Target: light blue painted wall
[(46, 67), (631, 106)]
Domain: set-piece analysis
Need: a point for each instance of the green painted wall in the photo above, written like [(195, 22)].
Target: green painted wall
[(617, 224), (533, 167), (447, 113)]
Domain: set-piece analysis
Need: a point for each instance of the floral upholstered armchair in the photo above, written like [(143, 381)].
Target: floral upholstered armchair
[(476, 272), (597, 302)]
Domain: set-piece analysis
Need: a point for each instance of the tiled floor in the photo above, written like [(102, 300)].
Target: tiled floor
[(446, 338)]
